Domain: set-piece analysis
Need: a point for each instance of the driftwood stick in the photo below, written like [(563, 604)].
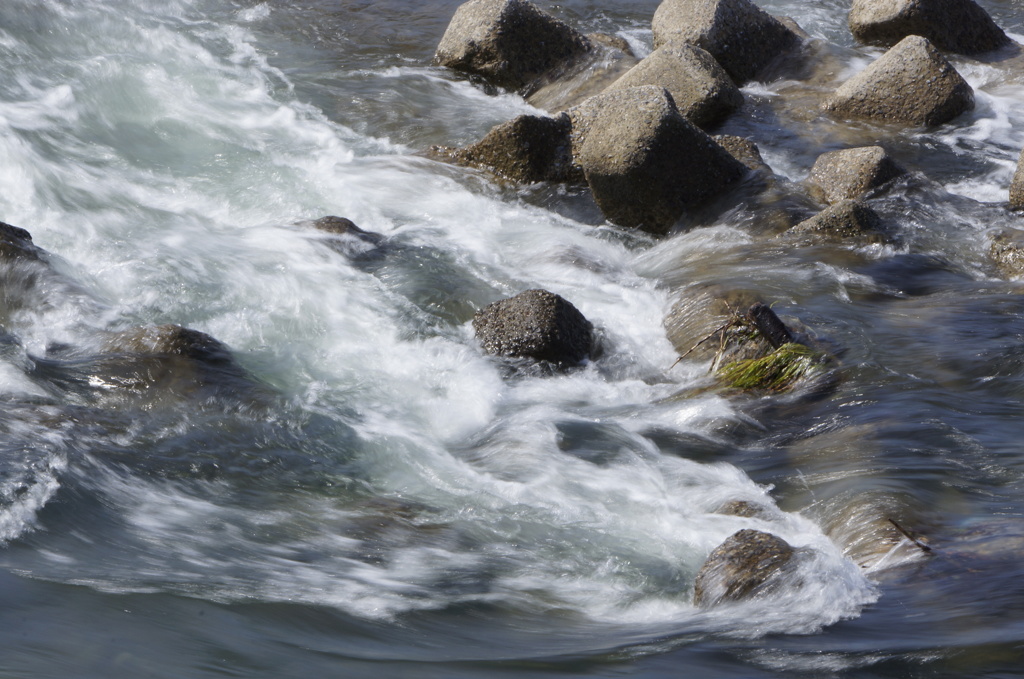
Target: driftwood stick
[(709, 336), (921, 545), (769, 325)]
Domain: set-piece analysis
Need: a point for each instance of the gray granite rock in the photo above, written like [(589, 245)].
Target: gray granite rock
[(511, 43), (1007, 251), (646, 165), (702, 90), (843, 221), (850, 173), (952, 25), (911, 83), (535, 324), (743, 150), (1017, 186), (743, 566), (739, 34), (526, 149)]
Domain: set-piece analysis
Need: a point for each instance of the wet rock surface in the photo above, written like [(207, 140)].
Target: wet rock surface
[(742, 567), (912, 83), (850, 173), (511, 43), (646, 164), (740, 35), (743, 150), (847, 220), (952, 25), (1007, 252), (526, 149), (701, 89), (535, 324), (1017, 186)]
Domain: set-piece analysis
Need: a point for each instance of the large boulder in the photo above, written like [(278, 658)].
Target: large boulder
[(745, 565), (951, 25), (843, 221), (526, 149), (850, 173), (739, 34), (702, 90), (511, 43), (1017, 186), (646, 165), (535, 324), (911, 83)]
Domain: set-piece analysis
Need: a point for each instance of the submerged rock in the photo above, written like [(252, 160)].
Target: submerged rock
[(585, 77), (846, 220), (535, 324), (746, 565), (511, 43), (1017, 186), (700, 87), (169, 340), (527, 149), (701, 325), (740, 35), (850, 173), (911, 83), (952, 25), (646, 165)]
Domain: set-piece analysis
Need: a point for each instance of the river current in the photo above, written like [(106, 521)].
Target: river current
[(377, 497)]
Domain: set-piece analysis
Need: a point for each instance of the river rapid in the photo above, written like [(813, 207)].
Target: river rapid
[(377, 497)]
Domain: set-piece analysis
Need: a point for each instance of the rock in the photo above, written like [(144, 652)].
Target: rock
[(702, 324), (614, 42), (743, 150), (584, 78), (745, 509), (156, 366), (169, 340), (911, 83), (646, 165), (952, 25), (16, 242), (535, 324), (342, 226), (1017, 186), (344, 237), (743, 566), (740, 35), (850, 173), (847, 219), (700, 87), (511, 43), (527, 149), (1007, 251)]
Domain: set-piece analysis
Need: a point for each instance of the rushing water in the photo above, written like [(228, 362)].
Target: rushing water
[(377, 497)]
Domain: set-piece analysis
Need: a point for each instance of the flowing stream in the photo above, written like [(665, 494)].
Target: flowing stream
[(375, 496)]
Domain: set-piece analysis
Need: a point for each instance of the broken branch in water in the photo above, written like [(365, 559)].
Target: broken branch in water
[(925, 548)]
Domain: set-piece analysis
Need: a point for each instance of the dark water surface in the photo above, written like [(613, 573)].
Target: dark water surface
[(366, 493)]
